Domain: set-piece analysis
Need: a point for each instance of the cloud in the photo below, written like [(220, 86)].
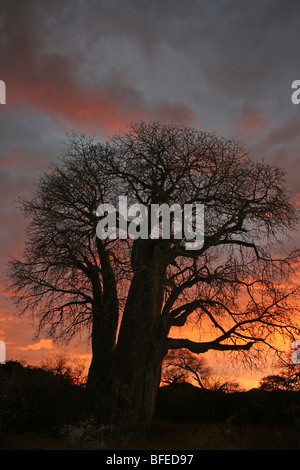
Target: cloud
[(176, 112), (47, 80), (42, 344), (253, 120), (253, 50), (50, 82), (285, 134)]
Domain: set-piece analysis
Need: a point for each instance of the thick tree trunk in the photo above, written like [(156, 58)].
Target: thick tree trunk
[(103, 344), (104, 326), (141, 342)]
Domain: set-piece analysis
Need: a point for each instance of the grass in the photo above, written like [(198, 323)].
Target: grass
[(184, 436), (170, 436)]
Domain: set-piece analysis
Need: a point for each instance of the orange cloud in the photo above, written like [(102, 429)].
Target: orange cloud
[(42, 344)]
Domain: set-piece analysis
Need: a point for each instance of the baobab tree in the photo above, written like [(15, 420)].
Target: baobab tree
[(133, 291)]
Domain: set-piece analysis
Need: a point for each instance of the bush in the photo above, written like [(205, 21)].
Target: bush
[(87, 432), (185, 403), (35, 399)]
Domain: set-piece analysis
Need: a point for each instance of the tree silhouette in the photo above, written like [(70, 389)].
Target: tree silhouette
[(132, 292), (183, 366), (275, 382), (288, 377)]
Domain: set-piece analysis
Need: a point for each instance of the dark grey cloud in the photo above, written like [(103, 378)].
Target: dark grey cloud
[(207, 55)]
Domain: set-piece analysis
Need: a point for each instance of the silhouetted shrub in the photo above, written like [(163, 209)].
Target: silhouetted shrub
[(34, 399), (184, 403)]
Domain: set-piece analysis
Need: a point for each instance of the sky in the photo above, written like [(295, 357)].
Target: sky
[(96, 66)]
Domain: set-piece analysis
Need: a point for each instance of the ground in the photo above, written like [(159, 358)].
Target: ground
[(42, 411), (170, 436)]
